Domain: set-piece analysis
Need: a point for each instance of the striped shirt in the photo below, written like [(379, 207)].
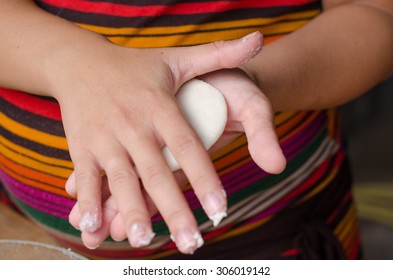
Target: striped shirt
[(34, 158)]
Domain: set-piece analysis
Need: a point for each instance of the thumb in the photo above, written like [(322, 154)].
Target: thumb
[(189, 62), (263, 143)]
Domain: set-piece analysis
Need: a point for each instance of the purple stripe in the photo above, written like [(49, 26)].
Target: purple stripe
[(246, 175), (293, 146), (236, 173), (43, 201)]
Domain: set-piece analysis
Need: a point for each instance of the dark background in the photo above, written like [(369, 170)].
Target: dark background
[(368, 127)]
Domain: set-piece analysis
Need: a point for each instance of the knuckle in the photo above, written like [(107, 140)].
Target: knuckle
[(86, 177), (120, 176), (133, 215), (178, 216), (87, 204), (200, 179), (185, 144), (154, 175)]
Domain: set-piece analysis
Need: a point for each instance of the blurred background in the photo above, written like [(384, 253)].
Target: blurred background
[(368, 126)]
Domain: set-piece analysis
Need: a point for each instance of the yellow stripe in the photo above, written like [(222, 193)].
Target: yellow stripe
[(33, 134), (235, 144), (167, 30), (35, 155), (33, 164), (345, 224), (204, 37)]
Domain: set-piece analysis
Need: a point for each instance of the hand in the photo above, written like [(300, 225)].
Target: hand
[(118, 111), (249, 111)]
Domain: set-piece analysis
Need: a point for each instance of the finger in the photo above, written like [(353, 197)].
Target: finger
[(117, 229), (198, 60), (125, 188), (74, 216), (196, 163), (263, 143), (161, 186), (88, 188), (94, 239), (70, 186)]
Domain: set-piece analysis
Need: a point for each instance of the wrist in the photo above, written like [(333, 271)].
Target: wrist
[(66, 61)]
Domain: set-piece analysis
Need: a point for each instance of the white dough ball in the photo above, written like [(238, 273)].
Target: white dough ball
[(205, 109)]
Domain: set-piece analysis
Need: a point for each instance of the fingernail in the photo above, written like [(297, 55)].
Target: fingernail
[(89, 222), (187, 241), (92, 247), (215, 206), (140, 236)]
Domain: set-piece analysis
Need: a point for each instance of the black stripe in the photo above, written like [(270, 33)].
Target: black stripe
[(32, 120), (201, 31), (36, 170), (173, 20), (35, 159), (34, 146)]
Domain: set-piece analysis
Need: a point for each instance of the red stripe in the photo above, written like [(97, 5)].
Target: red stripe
[(32, 104), (343, 202), (354, 253), (314, 177), (178, 9), (291, 252)]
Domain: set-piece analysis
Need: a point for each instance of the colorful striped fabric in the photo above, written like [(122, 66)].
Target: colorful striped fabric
[(35, 163)]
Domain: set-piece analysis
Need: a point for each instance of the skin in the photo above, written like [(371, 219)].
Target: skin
[(342, 53)]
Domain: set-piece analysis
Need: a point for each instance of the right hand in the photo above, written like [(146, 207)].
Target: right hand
[(119, 110)]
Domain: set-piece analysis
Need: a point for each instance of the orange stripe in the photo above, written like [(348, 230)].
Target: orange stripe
[(34, 184), (33, 174), (226, 161)]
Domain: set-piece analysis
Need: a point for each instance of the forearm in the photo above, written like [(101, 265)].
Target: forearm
[(32, 38), (333, 59)]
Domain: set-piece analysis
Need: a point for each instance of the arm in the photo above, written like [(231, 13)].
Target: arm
[(335, 58), (34, 39)]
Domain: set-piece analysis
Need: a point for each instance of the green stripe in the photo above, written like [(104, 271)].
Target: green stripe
[(50, 221)]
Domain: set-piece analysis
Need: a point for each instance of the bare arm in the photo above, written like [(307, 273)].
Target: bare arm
[(333, 59), (33, 38)]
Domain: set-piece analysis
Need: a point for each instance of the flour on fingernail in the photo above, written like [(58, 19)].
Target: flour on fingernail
[(89, 222)]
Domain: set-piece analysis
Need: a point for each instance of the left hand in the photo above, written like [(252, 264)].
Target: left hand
[(249, 112)]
